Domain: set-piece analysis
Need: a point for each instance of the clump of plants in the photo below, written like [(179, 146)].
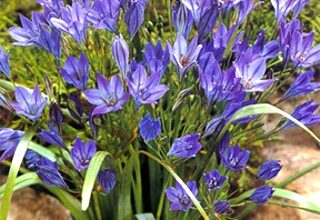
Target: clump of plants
[(155, 115)]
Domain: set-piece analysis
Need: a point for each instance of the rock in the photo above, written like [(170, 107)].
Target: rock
[(272, 212), (27, 204)]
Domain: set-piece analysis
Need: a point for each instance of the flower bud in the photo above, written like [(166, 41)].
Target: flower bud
[(120, 52), (221, 206), (269, 169), (107, 180), (261, 195)]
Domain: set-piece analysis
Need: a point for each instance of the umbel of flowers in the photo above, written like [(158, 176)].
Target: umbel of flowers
[(172, 101)]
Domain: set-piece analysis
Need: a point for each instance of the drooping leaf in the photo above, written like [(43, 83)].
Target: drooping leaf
[(91, 176), (14, 169)]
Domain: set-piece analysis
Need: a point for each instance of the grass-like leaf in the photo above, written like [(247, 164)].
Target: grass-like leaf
[(145, 216), (264, 108), (14, 169), (22, 181), (70, 202), (91, 176)]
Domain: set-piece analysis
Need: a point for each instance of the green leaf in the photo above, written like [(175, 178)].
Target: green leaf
[(145, 216), (42, 151), (124, 194), (91, 176), (302, 203), (22, 181), (299, 199), (264, 108), (70, 202), (14, 169)]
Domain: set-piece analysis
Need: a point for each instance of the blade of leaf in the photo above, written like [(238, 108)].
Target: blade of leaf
[(145, 216), (124, 190), (14, 169), (22, 181), (91, 176), (299, 199), (255, 109), (302, 202), (285, 204), (70, 202), (264, 108), (42, 151)]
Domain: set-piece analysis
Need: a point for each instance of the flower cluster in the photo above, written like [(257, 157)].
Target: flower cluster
[(172, 101)]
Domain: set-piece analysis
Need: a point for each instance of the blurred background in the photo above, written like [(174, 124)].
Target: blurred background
[(30, 64)]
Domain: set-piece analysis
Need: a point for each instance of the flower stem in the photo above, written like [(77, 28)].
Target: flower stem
[(180, 181)]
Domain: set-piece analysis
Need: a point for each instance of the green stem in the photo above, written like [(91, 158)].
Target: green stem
[(97, 206), (14, 169), (160, 206), (199, 171), (298, 174), (180, 181), (284, 204), (137, 182)]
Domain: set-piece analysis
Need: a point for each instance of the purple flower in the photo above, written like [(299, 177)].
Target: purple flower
[(75, 106), (259, 49), (52, 136), (49, 41), (9, 140), (35, 32), (204, 13), (251, 74), (49, 173), (286, 33), (28, 34), (182, 19), (235, 159), (245, 7), (180, 201), (82, 153), (105, 14), (149, 128), (208, 14), (219, 42), (107, 180), (223, 145), (221, 206), (299, 6), (47, 170), (29, 104), (73, 21), (217, 122), (261, 194), (32, 160), (56, 115), (144, 89), (134, 13), (214, 180), (4, 63), (156, 58), (269, 169), (283, 7), (302, 86), (94, 127), (109, 96), (120, 52), (76, 71), (304, 114), (183, 56), (218, 86), (301, 51), (186, 146)]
